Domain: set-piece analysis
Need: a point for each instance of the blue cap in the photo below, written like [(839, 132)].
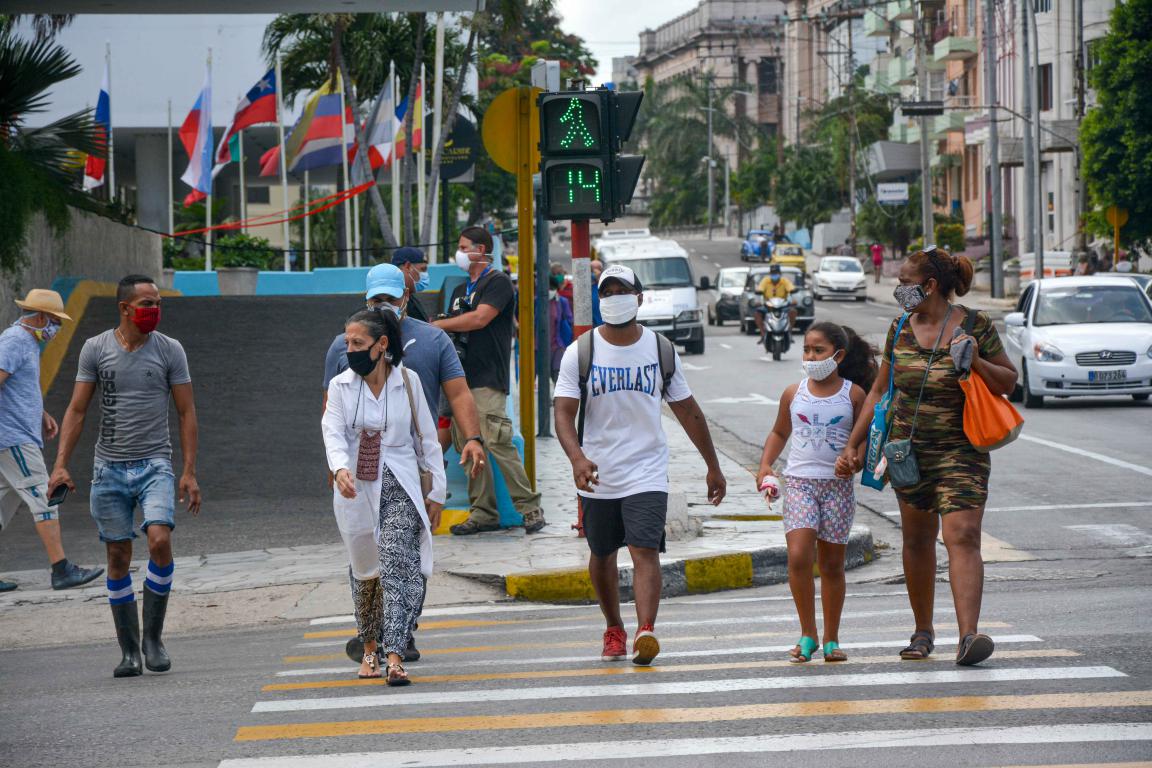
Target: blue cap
[(385, 280), (408, 255)]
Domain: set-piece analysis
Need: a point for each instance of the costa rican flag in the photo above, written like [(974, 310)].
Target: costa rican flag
[(196, 136), (96, 165), (257, 106)]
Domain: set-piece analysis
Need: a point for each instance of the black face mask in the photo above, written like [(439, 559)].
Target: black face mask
[(362, 363)]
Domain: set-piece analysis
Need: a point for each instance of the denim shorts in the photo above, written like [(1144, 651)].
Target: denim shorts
[(118, 487)]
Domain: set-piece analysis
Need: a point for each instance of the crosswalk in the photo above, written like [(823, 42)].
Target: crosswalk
[(523, 685)]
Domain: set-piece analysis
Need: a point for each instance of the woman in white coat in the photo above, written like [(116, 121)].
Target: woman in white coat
[(376, 452)]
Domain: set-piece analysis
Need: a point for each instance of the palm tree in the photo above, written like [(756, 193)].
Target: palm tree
[(45, 25), (36, 164)]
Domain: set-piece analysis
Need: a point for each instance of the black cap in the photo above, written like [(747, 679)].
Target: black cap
[(408, 255)]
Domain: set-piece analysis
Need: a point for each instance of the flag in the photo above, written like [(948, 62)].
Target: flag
[(317, 139), (257, 106), (379, 133), (96, 164), (417, 124), (196, 135)]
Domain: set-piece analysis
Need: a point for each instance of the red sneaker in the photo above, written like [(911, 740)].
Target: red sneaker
[(645, 647), (615, 644)]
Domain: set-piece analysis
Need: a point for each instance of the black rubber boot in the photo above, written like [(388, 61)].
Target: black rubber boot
[(155, 655), (127, 623)]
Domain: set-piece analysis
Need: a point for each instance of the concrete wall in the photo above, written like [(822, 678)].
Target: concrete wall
[(92, 248)]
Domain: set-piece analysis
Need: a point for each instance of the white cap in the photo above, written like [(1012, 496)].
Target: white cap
[(621, 273)]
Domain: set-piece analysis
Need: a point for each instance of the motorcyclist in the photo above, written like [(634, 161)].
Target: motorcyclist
[(774, 286)]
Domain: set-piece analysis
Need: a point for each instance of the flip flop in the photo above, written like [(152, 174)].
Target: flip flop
[(973, 649), (833, 653), (807, 646)]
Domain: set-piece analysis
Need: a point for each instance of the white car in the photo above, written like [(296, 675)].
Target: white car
[(839, 276), (1081, 336)]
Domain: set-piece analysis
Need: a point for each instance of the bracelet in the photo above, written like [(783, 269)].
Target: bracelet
[(479, 439)]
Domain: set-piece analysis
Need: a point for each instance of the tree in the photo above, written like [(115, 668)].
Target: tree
[(832, 128), (752, 182), (892, 225), (1115, 136), (809, 190), (45, 25), (36, 164)]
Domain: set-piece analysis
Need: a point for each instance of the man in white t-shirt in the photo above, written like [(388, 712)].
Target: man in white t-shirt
[(620, 460)]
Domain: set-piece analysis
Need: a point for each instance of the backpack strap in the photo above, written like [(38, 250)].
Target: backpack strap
[(666, 350), (584, 361)]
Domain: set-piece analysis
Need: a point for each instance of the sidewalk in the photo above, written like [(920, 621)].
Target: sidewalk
[(741, 544)]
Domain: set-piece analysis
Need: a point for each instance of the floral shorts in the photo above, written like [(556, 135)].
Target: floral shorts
[(826, 506)]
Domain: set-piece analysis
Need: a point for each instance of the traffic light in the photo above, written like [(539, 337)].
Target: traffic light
[(582, 172)]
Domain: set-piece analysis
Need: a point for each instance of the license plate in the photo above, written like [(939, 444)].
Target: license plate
[(1105, 376)]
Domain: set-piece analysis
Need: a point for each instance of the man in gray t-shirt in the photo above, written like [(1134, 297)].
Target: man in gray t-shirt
[(134, 371)]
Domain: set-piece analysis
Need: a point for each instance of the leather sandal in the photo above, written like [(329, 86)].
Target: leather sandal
[(919, 647), (973, 649), (374, 664), (397, 676)]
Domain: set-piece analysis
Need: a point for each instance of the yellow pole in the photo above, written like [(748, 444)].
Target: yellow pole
[(1115, 239), (527, 266)]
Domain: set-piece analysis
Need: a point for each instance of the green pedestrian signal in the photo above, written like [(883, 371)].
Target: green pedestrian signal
[(584, 176)]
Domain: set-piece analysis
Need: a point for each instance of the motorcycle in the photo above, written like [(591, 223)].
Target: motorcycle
[(777, 327)]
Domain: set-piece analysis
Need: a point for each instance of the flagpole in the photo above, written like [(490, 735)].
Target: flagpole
[(307, 227), (283, 158), (171, 191), (395, 163), (437, 120), (208, 203), (357, 250), (111, 145), (421, 167), (243, 189), (347, 185)]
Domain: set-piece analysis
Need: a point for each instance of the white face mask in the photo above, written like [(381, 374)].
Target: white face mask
[(620, 309), (463, 260), (818, 370)]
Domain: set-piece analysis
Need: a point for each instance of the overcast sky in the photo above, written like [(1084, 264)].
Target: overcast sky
[(612, 28)]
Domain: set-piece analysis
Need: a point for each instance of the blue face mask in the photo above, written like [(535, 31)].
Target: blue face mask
[(421, 282)]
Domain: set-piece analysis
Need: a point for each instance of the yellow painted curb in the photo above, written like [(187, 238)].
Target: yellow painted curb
[(710, 574), (747, 518), (449, 518), (550, 586), (57, 349)]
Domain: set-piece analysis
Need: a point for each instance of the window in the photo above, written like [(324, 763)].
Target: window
[(1045, 83), (258, 195), (1092, 57), (767, 77), (970, 28), (1042, 6)]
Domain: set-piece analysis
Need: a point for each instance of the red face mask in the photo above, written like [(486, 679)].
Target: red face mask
[(146, 318)]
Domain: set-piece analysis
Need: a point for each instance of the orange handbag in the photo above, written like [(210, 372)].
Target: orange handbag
[(990, 421)]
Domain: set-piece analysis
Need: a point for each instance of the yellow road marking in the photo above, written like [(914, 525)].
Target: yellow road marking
[(634, 670), (696, 714), (585, 644)]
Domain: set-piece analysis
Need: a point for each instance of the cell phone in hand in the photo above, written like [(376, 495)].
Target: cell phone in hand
[(59, 493)]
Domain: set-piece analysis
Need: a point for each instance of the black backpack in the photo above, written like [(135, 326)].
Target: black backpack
[(666, 351)]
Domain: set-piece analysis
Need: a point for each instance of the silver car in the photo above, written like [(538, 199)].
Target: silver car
[(725, 304)]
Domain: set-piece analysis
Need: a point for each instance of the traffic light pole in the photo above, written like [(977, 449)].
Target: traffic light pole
[(581, 278), (526, 118), (543, 324)]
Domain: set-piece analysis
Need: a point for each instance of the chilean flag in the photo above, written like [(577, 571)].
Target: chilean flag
[(257, 106), (96, 164), (196, 135)]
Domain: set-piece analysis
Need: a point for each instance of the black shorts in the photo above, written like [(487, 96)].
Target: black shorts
[(636, 520)]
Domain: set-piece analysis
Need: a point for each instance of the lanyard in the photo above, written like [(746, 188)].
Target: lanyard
[(470, 287)]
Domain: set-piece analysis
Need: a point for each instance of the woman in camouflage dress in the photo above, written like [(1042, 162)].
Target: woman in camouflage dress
[(953, 487)]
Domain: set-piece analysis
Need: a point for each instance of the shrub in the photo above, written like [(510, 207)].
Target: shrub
[(241, 250)]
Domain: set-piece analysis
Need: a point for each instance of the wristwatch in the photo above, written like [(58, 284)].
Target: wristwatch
[(479, 439)]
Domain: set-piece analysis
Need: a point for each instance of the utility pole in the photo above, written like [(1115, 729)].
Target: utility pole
[(851, 91), (921, 33), (1030, 229), (1079, 187), (990, 71), (779, 122), (1037, 143), (711, 185)]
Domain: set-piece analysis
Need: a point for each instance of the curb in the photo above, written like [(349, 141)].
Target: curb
[(734, 570)]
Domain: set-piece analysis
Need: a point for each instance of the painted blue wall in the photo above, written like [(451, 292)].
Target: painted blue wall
[(315, 283)]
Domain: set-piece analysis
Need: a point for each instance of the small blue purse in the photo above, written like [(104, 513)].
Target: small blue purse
[(881, 422)]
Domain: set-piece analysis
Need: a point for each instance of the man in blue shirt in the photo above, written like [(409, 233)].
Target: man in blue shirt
[(23, 476), (429, 352)]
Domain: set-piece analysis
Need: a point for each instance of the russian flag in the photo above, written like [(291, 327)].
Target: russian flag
[(257, 106), (196, 136), (95, 165)]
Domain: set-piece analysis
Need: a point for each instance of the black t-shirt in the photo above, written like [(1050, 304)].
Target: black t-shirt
[(415, 311), (490, 348)]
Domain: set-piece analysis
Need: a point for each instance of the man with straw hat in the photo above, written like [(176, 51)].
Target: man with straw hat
[(23, 424)]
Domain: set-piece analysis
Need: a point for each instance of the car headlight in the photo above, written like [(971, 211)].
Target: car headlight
[(688, 316), (807, 301), (861, 284), (1046, 352)]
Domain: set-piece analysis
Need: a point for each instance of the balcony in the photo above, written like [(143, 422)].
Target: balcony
[(877, 82), (876, 23), (900, 10), (955, 48), (949, 122), (901, 72), (898, 132)]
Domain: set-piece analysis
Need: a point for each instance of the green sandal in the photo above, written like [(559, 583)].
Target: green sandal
[(832, 652), (805, 647)]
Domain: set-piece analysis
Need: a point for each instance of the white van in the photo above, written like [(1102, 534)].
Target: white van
[(671, 305), (612, 240)]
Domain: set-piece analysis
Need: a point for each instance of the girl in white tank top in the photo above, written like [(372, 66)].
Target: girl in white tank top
[(817, 415)]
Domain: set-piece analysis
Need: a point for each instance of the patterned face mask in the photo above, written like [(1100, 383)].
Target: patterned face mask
[(909, 296)]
